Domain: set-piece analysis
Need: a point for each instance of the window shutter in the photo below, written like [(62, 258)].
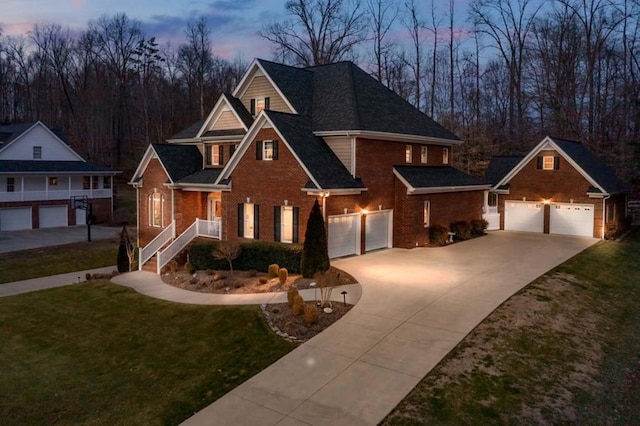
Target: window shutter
[(207, 154), (258, 150), (266, 102), (296, 212), (232, 149), (539, 163), (220, 155), (275, 150), (256, 221), (556, 163), (253, 107), (276, 223), (240, 220)]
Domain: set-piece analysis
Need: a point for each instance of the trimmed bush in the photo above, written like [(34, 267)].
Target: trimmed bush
[(189, 268), (291, 294), (315, 255), (298, 305), (273, 270), (256, 255), (462, 230), (310, 314), (438, 235), (283, 274), (478, 227)]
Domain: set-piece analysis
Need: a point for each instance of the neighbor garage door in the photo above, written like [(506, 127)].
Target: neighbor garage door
[(571, 219), (378, 230), (13, 219), (344, 235), (523, 216), (53, 216)]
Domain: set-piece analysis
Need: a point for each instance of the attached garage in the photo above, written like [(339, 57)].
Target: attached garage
[(81, 217), (379, 230), (344, 235), (523, 216), (572, 219), (52, 216), (15, 218)]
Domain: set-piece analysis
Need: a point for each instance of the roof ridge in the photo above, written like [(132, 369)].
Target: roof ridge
[(329, 65), (282, 65)]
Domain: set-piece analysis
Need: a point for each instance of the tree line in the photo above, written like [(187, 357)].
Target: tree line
[(514, 71)]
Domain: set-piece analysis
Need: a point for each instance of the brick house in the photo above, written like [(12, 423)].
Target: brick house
[(559, 187), (39, 175), (288, 136)]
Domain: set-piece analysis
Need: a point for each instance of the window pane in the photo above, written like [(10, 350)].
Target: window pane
[(248, 220), (106, 182), (259, 105), (287, 224), (267, 150), (157, 209), (11, 184), (53, 181), (37, 152), (547, 163), (407, 154), (423, 155), (445, 155), (85, 182)]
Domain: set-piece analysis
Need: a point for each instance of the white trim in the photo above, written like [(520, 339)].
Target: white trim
[(353, 156), (149, 155), (216, 111), (411, 190), (67, 147), (245, 82), (397, 137), (329, 192)]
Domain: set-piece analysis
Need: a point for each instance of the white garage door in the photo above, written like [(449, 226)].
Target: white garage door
[(14, 219), (53, 216), (81, 217), (571, 219), (523, 216), (344, 235), (378, 230)]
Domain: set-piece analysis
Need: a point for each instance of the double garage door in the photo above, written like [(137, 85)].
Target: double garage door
[(18, 218), (564, 218), (344, 232)]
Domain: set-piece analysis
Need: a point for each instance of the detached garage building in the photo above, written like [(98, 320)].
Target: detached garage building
[(39, 175), (560, 187)]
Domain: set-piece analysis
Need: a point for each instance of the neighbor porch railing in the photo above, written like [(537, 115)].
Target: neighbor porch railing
[(491, 215), (156, 244), (199, 228)]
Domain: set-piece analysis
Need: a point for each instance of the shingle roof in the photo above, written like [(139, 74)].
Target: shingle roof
[(296, 84), (239, 108), (347, 98), (499, 166), (179, 160), (190, 132), (36, 167), (436, 176), (204, 176), (595, 168), (315, 154), (9, 132)]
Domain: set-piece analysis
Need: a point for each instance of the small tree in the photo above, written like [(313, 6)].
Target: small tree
[(315, 255), (126, 250), (227, 250)]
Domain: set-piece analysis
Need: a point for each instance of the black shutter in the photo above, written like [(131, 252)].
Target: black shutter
[(232, 149), (220, 155), (207, 155), (296, 213), (276, 223), (266, 102), (275, 150), (539, 163), (256, 221), (240, 220), (253, 107), (556, 163), (258, 150)]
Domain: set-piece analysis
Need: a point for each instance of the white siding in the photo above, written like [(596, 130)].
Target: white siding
[(52, 148), (260, 87), (341, 146)]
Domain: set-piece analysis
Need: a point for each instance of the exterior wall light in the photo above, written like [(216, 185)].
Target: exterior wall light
[(364, 211)]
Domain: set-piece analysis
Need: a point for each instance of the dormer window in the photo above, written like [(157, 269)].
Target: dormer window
[(213, 154), (267, 150), (259, 104), (37, 152)]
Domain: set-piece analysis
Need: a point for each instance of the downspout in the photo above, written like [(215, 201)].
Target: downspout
[(604, 214), (138, 217)]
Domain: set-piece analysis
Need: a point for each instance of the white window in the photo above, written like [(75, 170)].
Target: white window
[(249, 231), (267, 150), (215, 155), (445, 155), (408, 154), (547, 162), (258, 105), (423, 155), (156, 209), (427, 213), (37, 152), (286, 224)]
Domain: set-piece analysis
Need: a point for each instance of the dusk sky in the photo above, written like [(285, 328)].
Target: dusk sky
[(234, 23)]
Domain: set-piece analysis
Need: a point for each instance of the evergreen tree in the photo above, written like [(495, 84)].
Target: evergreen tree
[(123, 257), (315, 255)]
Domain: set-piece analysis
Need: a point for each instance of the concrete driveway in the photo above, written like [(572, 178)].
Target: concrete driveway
[(46, 237), (416, 306)]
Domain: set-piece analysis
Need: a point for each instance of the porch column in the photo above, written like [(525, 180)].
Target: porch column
[(486, 202)]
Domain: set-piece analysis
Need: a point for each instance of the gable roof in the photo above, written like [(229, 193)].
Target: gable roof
[(598, 174), (9, 132), (296, 84), (420, 179), (241, 111), (178, 160), (499, 166), (206, 176), (190, 132)]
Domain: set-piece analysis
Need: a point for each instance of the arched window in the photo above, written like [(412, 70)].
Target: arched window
[(156, 209)]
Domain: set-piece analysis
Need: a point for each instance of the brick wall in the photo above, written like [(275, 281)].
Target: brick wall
[(154, 179)]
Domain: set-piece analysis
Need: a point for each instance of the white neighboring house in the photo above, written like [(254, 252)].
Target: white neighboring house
[(40, 173)]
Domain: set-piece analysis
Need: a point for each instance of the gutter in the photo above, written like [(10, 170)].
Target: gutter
[(442, 189)]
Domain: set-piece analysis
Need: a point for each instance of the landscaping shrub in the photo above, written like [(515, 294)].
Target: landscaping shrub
[(189, 268), (315, 254), (173, 266), (478, 227), (283, 274), (310, 314), (263, 280), (273, 270), (256, 255), (438, 235), (298, 305), (291, 294), (462, 230)]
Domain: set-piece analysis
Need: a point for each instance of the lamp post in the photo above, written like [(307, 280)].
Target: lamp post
[(315, 297), (344, 297)]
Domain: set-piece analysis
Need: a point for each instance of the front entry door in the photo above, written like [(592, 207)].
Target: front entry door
[(214, 209)]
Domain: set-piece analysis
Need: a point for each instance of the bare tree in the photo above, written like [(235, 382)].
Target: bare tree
[(382, 16), (414, 25), (196, 59), (317, 31)]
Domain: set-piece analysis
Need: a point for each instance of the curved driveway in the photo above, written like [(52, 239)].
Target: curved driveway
[(416, 306)]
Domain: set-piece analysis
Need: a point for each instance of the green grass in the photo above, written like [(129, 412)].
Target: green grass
[(577, 353), (102, 354), (42, 262)]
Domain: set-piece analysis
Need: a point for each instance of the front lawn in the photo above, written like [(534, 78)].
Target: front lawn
[(97, 353), (45, 261), (563, 350)]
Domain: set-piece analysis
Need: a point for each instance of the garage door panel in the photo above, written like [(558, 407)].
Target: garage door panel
[(344, 234), (15, 219), (572, 219), (53, 216), (524, 216), (377, 230)]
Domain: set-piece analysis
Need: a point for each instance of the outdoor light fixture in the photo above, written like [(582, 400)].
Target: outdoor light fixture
[(344, 297), (315, 298), (547, 201), (365, 211)]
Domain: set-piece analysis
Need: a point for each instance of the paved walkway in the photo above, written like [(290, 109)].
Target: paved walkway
[(35, 284), (416, 306)]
